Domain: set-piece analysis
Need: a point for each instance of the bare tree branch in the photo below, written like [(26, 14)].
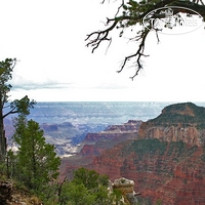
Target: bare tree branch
[(157, 35), (138, 54), (118, 10), (13, 111), (198, 1), (132, 13), (100, 36)]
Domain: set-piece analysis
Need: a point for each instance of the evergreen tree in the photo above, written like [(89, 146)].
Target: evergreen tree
[(17, 106), (37, 162), (86, 188), (10, 164), (76, 194)]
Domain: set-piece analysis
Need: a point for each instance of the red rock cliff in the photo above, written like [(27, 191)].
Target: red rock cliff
[(96, 143), (166, 161)]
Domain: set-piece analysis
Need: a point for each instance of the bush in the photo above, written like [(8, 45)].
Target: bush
[(86, 188)]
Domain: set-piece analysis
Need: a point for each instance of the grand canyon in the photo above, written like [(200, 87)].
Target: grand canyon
[(164, 156)]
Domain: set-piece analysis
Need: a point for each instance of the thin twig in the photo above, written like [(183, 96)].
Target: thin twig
[(138, 54), (118, 10), (100, 37)]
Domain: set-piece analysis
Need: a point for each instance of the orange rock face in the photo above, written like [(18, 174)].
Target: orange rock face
[(189, 134)]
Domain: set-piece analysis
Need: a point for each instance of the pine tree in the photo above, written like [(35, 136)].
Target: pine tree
[(36, 160), (21, 106), (87, 188)]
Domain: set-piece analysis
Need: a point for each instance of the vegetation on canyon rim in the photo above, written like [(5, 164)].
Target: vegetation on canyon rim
[(21, 106), (35, 164), (34, 168)]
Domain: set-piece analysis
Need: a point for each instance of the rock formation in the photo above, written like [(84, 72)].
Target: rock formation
[(181, 122), (96, 143), (126, 188), (166, 160)]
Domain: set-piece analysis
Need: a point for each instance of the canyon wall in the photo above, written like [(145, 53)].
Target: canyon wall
[(166, 158)]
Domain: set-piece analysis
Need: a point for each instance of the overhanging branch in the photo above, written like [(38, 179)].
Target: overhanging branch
[(191, 5), (99, 37), (132, 13), (140, 52)]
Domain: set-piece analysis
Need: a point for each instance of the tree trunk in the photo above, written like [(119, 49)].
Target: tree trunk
[(3, 141)]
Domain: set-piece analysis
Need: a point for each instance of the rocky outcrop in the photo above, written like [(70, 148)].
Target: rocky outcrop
[(189, 134), (126, 188), (181, 122)]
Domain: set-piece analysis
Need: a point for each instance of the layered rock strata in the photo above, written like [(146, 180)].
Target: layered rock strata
[(166, 160)]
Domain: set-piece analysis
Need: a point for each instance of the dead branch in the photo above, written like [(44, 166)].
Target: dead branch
[(138, 54), (100, 36), (118, 10), (124, 18)]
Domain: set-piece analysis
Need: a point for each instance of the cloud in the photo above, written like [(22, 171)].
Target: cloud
[(37, 86)]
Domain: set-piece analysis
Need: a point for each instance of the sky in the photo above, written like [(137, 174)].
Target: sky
[(48, 39)]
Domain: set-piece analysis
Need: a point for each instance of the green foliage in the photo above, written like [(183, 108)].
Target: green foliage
[(6, 68), (148, 146), (50, 193), (179, 113), (86, 188), (117, 196), (176, 147), (76, 194), (17, 106), (203, 157), (37, 162), (7, 166), (3, 176), (176, 150), (89, 178), (21, 106), (10, 164), (158, 202)]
